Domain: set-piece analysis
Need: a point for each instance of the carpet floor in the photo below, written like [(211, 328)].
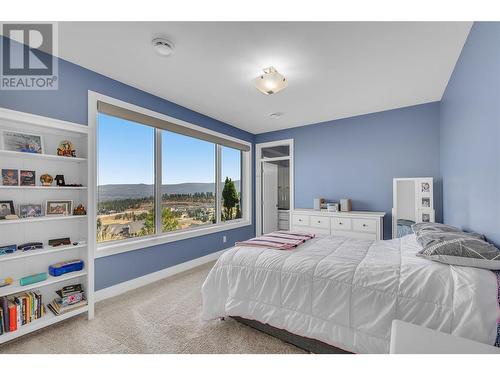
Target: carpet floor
[(163, 317)]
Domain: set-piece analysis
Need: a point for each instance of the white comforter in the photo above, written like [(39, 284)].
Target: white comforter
[(346, 292)]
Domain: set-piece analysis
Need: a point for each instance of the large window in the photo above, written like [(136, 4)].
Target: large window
[(126, 175), (188, 182), (157, 177), (231, 199)]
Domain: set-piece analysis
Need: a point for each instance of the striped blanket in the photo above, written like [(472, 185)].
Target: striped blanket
[(279, 240)]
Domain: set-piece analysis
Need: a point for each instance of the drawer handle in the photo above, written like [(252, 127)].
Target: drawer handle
[(364, 225), (300, 219), (340, 223), (319, 221)]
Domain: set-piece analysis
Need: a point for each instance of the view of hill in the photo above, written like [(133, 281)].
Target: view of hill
[(124, 191)]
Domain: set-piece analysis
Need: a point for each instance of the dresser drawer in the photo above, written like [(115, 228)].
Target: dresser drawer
[(301, 220), (364, 225), (340, 223), (319, 222)]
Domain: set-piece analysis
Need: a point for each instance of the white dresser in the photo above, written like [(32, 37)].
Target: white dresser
[(358, 224)]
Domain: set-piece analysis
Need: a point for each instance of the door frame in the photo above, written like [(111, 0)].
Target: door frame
[(258, 177)]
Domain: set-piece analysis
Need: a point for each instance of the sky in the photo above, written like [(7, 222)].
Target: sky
[(126, 155)]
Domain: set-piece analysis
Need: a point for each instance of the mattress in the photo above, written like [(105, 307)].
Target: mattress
[(346, 292)]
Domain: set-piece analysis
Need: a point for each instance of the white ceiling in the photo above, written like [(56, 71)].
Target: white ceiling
[(334, 69)]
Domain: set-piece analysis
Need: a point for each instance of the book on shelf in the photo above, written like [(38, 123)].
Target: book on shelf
[(70, 298), (20, 309)]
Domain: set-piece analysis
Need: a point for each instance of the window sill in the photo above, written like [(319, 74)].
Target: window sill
[(105, 250)]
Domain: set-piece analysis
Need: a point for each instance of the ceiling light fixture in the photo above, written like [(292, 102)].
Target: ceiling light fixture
[(270, 82), (276, 115), (162, 46)]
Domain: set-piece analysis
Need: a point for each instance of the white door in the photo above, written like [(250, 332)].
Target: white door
[(269, 197)]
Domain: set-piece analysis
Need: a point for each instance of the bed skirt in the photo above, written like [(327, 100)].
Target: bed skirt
[(307, 344)]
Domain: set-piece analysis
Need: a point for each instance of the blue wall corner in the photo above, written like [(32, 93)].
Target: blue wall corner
[(470, 134)]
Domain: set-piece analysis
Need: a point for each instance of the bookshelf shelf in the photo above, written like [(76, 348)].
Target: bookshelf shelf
[(42, 218), (80, 228), (34, 253), (16, 288), (27, 155), (43, 187), (43, 322)]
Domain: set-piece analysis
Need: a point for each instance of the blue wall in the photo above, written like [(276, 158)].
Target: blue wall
[(358, 157), (69, 103), (470, 135)]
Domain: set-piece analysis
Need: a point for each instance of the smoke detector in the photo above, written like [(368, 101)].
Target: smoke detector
[(276, 115), (162, 46)]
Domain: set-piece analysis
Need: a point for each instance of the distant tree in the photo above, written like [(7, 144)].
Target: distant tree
[(169, 222), (229, 199)]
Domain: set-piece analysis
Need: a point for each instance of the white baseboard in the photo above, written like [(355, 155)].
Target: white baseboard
[(129, 285)]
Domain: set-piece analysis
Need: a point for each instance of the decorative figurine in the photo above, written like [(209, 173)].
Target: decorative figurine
[(46, 179), (60, 180), (80, 210), (66, 149)]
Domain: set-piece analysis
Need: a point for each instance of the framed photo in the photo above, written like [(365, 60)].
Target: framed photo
[(426, 202), (27, 178), (6, 208), (426, 187), (30, 210), (426, 215), (22, 142), (10, 177), (59, 208)]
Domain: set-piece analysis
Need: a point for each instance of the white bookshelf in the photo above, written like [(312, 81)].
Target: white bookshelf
[(41, 219), (79, 228)]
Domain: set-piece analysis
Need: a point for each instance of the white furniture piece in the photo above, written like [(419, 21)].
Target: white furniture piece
[(407, 338), (284, 219), (358, 224), (413, 201), (78, 170)]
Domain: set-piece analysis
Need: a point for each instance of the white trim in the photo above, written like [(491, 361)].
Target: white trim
[(138, 282), (117, 247), (95, 96), (28, 118), (91, 209), (258, 177)]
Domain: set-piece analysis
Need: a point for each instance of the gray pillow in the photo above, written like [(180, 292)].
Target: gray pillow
[(459, 248), (419, 228)]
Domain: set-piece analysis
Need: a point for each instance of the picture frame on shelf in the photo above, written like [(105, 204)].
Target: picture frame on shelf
[(22, 142), (426, 202), (10, 177), (58, 207), (426, 187), (6, 208), (426, 215), (27, 178), (30, 210)]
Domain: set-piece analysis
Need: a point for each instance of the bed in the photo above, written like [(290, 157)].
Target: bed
[(346, 292)]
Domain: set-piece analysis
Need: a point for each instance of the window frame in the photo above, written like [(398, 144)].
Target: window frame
[(131, 244)]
